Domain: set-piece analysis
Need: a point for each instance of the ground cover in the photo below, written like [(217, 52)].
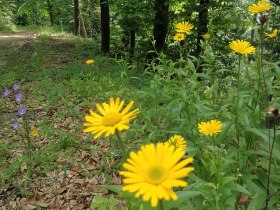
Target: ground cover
[(222, 119)]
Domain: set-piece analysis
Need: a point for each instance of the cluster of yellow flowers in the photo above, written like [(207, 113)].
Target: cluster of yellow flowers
[(155, 169), (245, 47), (182, 29)]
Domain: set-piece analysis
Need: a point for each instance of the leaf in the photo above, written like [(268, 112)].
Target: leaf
[(114, 188), (240, 188), (261, 133), (183, 196)]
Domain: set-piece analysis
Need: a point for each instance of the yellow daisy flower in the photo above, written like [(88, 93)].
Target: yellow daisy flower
[(242, 47), (89, 62), (179, 37), (62, 99), (260, 7), (206, 36), (210, 128), (111, 118), (153, 171), (34, 132), (273, 34), (184, 27), (178, 142)]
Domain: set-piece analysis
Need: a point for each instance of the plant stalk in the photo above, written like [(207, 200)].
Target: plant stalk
[(121, 143)]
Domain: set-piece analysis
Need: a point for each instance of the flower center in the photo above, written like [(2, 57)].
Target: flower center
[(156, 174), (112, 118)]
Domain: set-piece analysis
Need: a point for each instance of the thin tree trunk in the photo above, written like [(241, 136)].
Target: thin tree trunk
[(161, 8), (125, 40), (105, 26), (132, 44), (202, 26), (76, 17), (50, 11), (160, 23), (83, 31)]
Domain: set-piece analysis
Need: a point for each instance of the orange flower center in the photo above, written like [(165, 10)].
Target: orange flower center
[(112, 118)]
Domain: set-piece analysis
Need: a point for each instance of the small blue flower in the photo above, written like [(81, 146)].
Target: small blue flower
[(6, 92), (16, 87), (19, 96), (21, 110), (15, 125)]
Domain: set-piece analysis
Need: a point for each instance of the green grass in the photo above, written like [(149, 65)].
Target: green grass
[(59, 89)]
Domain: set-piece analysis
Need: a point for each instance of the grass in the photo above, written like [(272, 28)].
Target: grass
[(59, 89)]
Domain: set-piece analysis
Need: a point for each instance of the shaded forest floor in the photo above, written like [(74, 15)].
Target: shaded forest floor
[(10, 41), (66, 169)]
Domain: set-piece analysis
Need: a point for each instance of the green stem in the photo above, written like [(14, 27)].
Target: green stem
[(215, 159), (29, 146), (236, 107), (181, 56), (262, 67), (161, 204), (121, 143), (269, 167)]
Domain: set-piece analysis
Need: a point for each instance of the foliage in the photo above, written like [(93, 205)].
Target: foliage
[(102, 203), (232, 167)]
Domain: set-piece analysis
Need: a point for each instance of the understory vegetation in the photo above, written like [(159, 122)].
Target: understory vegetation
[(187, 128)]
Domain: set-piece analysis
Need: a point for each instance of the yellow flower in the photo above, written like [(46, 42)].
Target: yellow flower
[(206, 36), (62, 99), (34, 132), (184, 27), (260, 7), (89, 62), (273, 34), (178, 142), (179, 37), (210, 128), (242, 47), (111, 118), (153, 172)]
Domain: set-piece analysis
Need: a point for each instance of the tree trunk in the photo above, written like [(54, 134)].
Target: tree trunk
[(83, 31), (160, 23), (76, 17), (125, 40), (132, 44), (50, 11), (202, 26), (105, 27)]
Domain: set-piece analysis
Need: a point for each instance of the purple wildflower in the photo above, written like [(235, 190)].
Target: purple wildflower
[(15, 125), (6, 92), (21, 110), (19, 96), (16, 87)]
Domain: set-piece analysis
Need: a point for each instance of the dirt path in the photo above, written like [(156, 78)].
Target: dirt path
[(9, 41)]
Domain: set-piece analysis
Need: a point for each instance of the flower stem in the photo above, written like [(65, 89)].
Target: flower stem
[(161, 205), (236, 108), (29, 145), (269, 167), (121, 143)]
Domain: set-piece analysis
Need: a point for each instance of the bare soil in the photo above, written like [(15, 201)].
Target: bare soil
[(10, 41)]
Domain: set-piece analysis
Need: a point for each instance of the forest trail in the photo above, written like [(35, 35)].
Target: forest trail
[(10, 41)]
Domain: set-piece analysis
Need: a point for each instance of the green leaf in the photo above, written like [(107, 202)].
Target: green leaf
[(240, 188), (183, 196), (261, 133), (114, 188)]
